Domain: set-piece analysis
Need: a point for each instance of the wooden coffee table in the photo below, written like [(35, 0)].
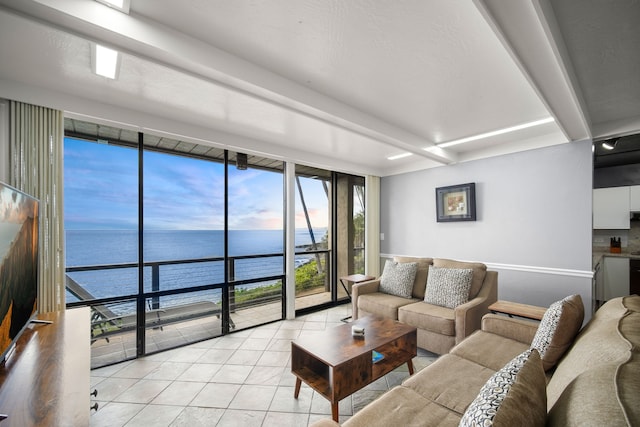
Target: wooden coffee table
[(335, 364)]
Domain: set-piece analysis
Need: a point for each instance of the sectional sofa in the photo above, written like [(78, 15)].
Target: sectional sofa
[(592, 379)]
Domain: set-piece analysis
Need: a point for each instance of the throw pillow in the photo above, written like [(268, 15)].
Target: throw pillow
[(397, 278), (513, 396), (557, 329), (479, 272), (448, 287)]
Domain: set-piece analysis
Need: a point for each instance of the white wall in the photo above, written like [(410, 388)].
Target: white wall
[(533, 220)]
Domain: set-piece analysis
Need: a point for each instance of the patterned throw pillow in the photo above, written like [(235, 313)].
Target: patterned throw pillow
[(513, 396), (557, 329), (397, 278), (448, 287)]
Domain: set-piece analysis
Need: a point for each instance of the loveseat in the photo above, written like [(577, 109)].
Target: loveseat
[(592, 379), (439, 326)]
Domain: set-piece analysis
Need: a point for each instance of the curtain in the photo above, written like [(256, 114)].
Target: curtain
[(372, 226), (36, 167)]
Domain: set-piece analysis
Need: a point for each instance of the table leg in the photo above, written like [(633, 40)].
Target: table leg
[(334, 411), (410, 366), (296, 392), (348, 296)]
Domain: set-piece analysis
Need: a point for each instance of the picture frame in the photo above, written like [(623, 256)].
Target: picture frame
[(456, 203)]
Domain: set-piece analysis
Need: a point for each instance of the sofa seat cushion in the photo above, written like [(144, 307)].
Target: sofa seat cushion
[(429, 317), (450, 381), (401, 406), (489, 350), (382, 304), (513, 396)]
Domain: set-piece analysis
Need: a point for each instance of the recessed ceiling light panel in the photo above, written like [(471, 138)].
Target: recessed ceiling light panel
[(105, 61), (121, 5)]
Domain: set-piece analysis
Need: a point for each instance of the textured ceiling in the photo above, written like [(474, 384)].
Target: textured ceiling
[(335, 84)]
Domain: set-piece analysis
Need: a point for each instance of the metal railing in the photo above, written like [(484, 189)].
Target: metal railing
[(210, 277)]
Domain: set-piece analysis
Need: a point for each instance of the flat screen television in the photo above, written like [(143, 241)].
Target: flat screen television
[(19, 227)]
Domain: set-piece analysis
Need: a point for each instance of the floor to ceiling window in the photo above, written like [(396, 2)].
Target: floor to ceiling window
[(171, 242), (349, 214), (101, 226), (313, 237), (255, 229), (329, 234), (183, 240)]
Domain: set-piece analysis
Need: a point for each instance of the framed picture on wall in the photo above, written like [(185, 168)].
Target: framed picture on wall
[(456, 203)]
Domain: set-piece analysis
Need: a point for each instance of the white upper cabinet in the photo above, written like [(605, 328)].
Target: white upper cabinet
[(634, 198), (611, 208)]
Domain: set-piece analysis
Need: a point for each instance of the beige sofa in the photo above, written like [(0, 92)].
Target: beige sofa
[(439, 328), (596, 382)]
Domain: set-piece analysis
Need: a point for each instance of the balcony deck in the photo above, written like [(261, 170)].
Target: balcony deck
[(122, 346)]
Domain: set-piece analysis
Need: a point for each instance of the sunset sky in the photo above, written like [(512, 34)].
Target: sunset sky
[(101, 190)]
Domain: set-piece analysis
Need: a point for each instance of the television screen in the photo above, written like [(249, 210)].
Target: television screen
[(18, 264)]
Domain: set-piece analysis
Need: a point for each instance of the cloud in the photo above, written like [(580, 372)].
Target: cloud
[(101, 192)]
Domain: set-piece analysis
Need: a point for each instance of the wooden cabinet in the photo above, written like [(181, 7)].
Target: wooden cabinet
[(45, 381), (611, 208)]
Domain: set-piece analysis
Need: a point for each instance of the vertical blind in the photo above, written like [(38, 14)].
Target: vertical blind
[(36, 167)]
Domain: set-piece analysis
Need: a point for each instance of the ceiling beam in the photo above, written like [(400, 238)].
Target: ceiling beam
[(529, 32), (149, 40)]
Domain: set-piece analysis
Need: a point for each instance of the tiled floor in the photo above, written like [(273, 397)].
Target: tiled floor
[(242, 379)]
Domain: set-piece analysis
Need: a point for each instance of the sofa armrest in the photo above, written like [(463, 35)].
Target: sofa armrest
[(468, 316), (359, 289), (517, 329)]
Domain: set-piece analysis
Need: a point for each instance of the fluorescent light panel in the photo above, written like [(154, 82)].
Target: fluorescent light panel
[(399, 156), (496, 132), (121, 5), (105, 61)]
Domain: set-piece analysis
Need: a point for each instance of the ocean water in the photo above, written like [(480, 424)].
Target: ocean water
[(108, 247)]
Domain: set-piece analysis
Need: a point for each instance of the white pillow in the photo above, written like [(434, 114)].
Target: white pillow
[(397, 278), (448, 287)]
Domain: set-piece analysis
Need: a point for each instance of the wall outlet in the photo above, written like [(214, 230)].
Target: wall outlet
[(381, 236)]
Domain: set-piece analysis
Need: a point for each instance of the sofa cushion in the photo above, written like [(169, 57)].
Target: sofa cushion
[(448, 287), (420, 282), (401, 406), (382, 304), (488, 349), (450, 381), (397, 278), (479, 272), (429, 317), (611, 337), (593, 398), (558, 327), (513, 396)]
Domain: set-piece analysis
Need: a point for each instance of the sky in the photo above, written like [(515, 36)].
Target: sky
[(101, 191)]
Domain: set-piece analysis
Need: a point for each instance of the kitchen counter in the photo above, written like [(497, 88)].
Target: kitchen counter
[(599, 253)]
